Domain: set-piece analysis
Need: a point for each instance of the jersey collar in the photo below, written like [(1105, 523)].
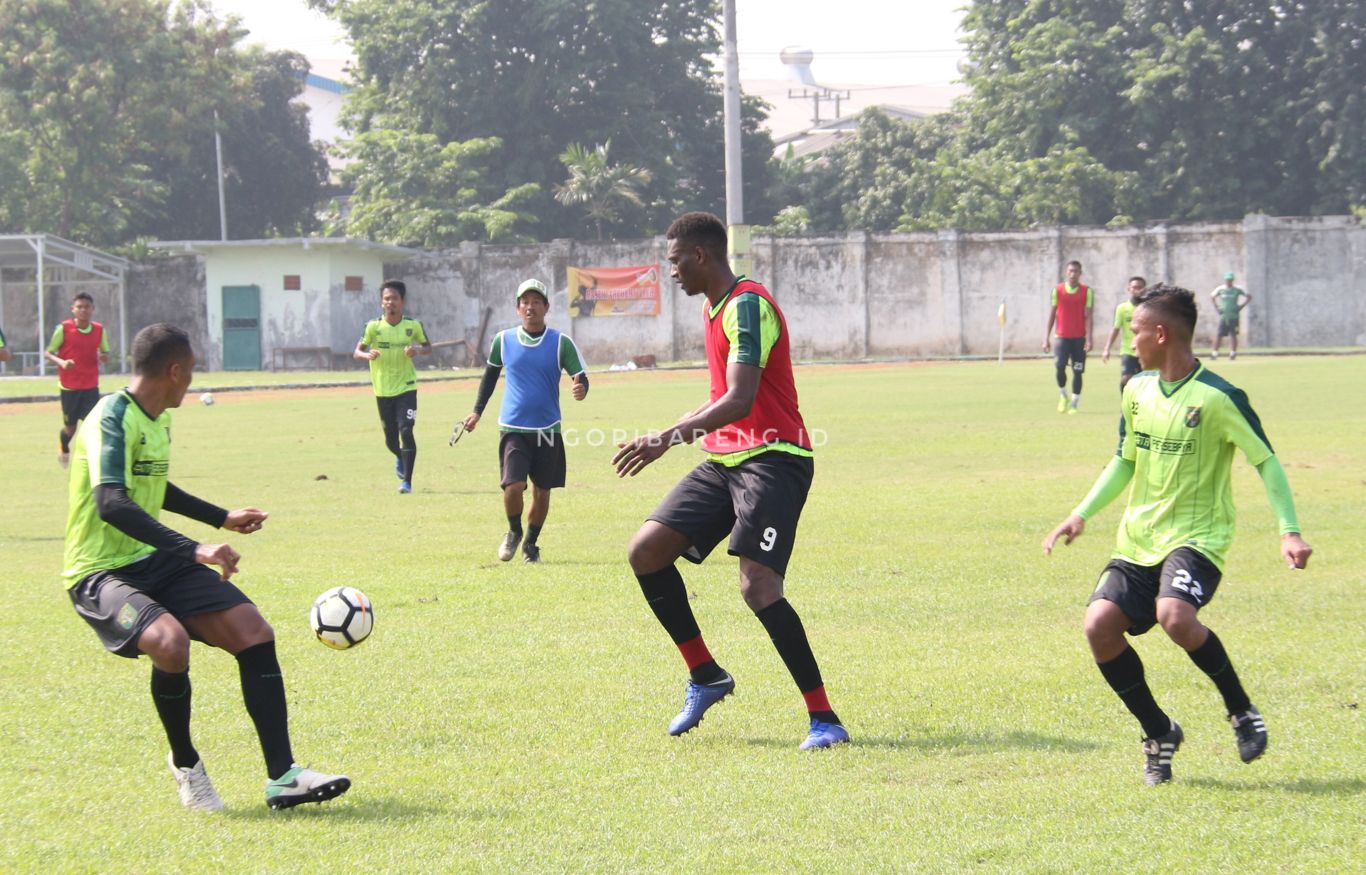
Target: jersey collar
[(711, 314)]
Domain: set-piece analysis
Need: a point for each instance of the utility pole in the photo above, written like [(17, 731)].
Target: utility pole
[(222, 201), (740, 259)]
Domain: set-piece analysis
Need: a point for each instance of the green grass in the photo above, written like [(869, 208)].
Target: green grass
[(505, 717)]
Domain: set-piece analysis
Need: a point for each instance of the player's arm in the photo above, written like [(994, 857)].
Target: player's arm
[(1048, 329), (1109, 342), (742, 383), (421, 345), (488, 382), (363, 352), (1108, 486), (104, 347), (53, 346), (1293, 548), (1090, 318), (573, 365), (1246, 299)]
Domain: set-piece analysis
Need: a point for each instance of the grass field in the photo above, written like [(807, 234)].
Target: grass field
[(506, 717)]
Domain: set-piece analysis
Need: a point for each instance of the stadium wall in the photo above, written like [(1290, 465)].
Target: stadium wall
[(863, 295)]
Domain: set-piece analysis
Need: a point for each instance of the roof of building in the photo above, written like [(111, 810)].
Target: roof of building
[(193, 246)]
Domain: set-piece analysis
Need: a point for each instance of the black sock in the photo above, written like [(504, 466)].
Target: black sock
[(532, 533), (1211, 658), (66, 447), (515, 525), (1124, 673), (171, 694), (785, 629), (668, 598), (263, 689), (409, 457)]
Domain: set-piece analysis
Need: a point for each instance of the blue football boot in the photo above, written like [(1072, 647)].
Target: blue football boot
[(700, 697), (824, 735)]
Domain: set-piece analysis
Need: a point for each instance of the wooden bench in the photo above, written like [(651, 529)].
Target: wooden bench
[(320, 357)]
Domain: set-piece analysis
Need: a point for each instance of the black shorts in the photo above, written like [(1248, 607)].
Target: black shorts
[(1185, 574), (757, 503), (1070, 349), (1129, 365), (1228, 327), (538, 455), (119, 604), (77, 404), (398, 410)]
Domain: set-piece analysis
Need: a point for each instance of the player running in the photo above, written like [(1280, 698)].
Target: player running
[(389, 344), (1070, 309), (145, 588), (1124, 332), (751, 487), (78, 347), (531, 444), (1181, 426)]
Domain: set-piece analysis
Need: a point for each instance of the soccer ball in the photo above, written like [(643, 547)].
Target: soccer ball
[(342, 617), (206, 399)]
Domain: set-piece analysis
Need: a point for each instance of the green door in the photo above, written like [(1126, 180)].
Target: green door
[(241, 328)]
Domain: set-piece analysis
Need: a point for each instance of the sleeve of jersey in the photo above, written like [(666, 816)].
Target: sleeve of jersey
[(110, 466), (496, 351), (367, 335), (1128, 448), (1053, 298), (752, 327), (570, 358), (1278, 493), (420, 333), (56, 342), (2, 338), (1243, 429), (1119, 321), (104, 341), (1107, 487), (1090, 298)]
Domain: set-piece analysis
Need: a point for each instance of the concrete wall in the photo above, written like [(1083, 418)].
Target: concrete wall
[(850, 296)]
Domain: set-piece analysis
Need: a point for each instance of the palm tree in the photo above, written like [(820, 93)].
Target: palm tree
[(604, 188)]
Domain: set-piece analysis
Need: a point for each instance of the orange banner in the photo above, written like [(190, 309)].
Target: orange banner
[(614, 291)]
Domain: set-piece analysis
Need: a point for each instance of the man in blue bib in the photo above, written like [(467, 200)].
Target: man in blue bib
[(529, 419)]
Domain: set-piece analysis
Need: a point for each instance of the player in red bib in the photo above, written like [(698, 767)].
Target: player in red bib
[(78, 347), (1070, 309), (750, 489)]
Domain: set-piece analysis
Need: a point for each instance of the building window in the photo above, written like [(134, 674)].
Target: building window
[(292, 282), (355, 284)]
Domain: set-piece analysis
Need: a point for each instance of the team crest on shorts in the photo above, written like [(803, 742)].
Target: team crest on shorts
[(1192, 417), (128, 615)]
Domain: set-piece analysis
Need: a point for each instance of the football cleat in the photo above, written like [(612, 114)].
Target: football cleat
[(823, 735), (1062, 404), (508, 548), (195, 788), (1157, 768), (699, 698), (300, 785), (405, 487), (1250, 730), (531, 553)]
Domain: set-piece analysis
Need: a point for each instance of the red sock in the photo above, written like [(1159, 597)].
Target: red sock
[(816, 700), (695, 652)]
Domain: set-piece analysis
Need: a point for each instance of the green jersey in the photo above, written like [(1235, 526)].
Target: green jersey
[(117, 444), (1227, 299), (2, 338), (1181, 440), (1124, 317), (393, 373)]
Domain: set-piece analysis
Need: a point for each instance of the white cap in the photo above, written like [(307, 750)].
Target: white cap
[(532, 285)]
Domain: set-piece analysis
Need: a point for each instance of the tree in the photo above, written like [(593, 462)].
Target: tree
[(410, 190), (539, 75), (603, 188), (107, 108)]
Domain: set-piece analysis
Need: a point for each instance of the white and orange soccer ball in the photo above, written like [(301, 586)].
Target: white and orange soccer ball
[(342, 617)]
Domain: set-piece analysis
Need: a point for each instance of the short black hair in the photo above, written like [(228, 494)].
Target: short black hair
[(1138, 279), (1072, 262), (83, 296), (156, 346), (700, 229), (1173, 302), (396, 285)]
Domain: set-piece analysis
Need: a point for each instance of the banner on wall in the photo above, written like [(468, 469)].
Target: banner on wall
[(614, 291)]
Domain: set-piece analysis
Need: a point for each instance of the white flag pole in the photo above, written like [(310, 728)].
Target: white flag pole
[(1001, 318)]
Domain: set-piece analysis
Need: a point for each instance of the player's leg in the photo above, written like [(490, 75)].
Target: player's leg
[(243, 632), (130, 622), (1218, 338), (515, 455), (1078, 357), (70, 401), (1233, 340), (769, 492), (691, 520), (1189, 581), (388, 419), (406, 414), (547, 472), (1060, 371), (1123, 603)]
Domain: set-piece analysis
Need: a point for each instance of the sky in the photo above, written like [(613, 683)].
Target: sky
[(868, 42)]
